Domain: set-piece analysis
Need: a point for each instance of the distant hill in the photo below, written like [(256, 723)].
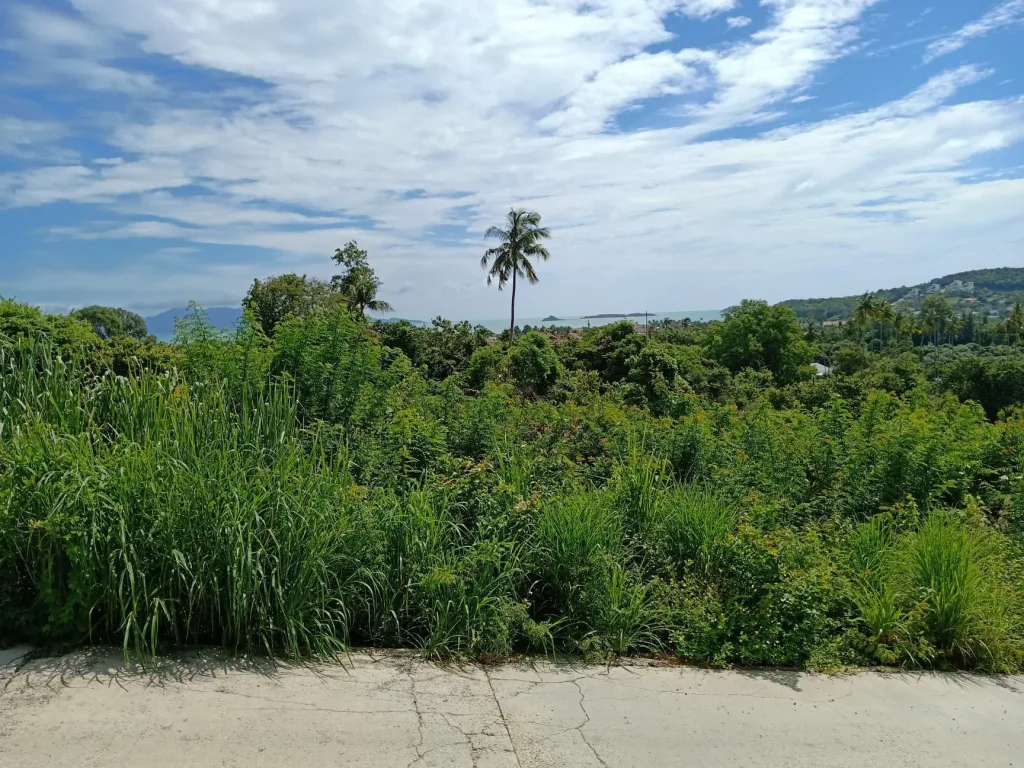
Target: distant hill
[(162, 325), (994, 290)]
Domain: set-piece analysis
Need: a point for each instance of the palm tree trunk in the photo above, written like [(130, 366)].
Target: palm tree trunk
[(512, 328)]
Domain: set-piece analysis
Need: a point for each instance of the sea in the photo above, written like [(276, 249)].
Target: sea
[(697, 315)]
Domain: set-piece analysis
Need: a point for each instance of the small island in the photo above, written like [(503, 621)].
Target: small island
[(609, 315), (551, 319)]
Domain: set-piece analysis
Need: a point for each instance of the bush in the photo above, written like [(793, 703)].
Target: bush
[(694, 529), (937, 594)]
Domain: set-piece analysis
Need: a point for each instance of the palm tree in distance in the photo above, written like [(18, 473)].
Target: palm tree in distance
[(362, 296), (520, 240), (1014, 324), (884, 315), (865, 312)]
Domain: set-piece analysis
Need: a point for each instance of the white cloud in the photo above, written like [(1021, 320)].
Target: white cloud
[(640, 77), (59, 47), (477, 106), (1005, 14), (738, 22), (20, 137), (703, 9), (79, 183)]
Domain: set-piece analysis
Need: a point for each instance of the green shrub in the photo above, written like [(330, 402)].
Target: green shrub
[(694, 528), (937, 594)]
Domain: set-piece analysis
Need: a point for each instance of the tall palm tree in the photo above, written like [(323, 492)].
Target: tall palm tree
[(520, 240), (1014, 324), (884, 314), (901, 323), (866, 311)]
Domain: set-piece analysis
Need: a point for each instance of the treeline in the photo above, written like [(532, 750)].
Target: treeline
[(312, 481), (994, 290)]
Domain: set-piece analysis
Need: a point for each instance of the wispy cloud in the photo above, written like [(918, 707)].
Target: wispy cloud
[(1005, 14), (703, 9), (738, 22)]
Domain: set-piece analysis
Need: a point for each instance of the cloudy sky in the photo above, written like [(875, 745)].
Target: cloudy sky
[(685, 153)]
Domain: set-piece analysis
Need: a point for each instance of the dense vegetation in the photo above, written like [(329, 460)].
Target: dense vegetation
[(995, 291), (312, 481)]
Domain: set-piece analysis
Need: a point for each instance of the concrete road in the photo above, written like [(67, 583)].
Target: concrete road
[(202, 709)]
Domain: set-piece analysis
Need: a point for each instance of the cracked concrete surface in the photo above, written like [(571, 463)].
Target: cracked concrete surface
[(204, 709)]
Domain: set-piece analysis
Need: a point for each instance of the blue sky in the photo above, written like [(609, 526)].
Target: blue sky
[(686, 153)]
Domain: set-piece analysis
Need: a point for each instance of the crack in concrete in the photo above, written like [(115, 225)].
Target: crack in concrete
[(504, 720), (305, 705), (579, 728), (420, 754)]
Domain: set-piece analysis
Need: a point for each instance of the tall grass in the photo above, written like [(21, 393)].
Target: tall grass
[(143, 510), (694, 527), (937, 593), (156, 510)]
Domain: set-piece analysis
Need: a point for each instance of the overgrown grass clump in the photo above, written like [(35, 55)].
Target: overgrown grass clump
[(316, 493)]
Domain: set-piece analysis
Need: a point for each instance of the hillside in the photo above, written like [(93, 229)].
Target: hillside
[(993, 291)]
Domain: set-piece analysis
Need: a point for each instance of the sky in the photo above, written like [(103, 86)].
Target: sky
[(685, 154)]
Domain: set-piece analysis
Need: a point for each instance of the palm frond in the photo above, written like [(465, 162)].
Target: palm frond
[(527, 271)]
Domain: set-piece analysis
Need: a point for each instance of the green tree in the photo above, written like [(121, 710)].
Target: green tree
[(529, 363), (276, 298), (866, 311), (902, 325), (520, 240), (1013, 326), (112, 322), (756, 335), (936, 314), (22, 321), (884, 315), (359, 283)]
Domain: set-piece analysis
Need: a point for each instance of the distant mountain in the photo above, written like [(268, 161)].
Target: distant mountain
[(162, 325), (993, 291)]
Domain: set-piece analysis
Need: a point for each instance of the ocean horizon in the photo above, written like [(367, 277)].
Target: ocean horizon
[(225, 318), (577, 321)]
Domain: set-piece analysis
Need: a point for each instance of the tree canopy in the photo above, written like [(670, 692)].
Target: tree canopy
[(358, 283), (756, 335), (112, 322)]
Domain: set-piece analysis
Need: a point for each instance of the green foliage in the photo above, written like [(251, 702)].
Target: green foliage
[(762, 337), (21, 321), (993, 382), (529, 364), (694, 528), (359, 284), (936, 594), (532, 363), (113, 322), (273, 300), (331, 360), (597, 492)]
